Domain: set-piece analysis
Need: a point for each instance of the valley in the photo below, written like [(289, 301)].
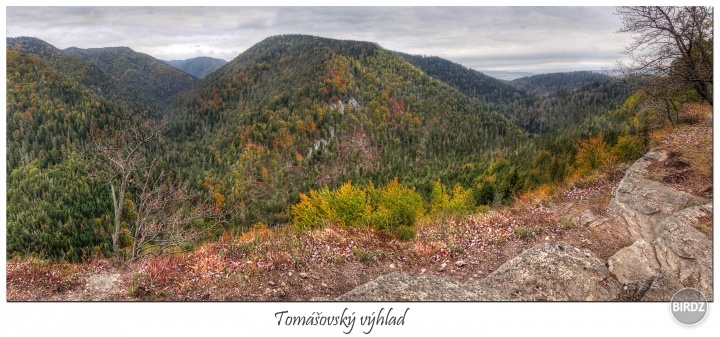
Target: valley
[(305, 167)]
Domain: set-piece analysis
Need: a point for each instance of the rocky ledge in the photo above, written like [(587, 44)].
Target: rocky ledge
[(668, 254)]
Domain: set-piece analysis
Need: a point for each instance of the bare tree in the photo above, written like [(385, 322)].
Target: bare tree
[(168, 215), (671, 50), (115, 159), (163, 214)]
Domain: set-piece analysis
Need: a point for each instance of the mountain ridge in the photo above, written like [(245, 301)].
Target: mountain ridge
[(144, 72)]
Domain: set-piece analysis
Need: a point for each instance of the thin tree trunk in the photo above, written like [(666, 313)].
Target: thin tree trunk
[(116, 234)]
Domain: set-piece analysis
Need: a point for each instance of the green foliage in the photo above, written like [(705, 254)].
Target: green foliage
[(592, 154), (523, 233), (348, 205), (312, 211), (393, 209), (628, 148), (402, 205), (56, 212), (460, 201)]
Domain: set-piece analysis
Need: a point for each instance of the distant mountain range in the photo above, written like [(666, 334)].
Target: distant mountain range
[(506, 75), (198, 66)]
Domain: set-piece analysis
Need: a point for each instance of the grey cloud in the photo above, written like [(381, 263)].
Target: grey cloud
[(494, 37)]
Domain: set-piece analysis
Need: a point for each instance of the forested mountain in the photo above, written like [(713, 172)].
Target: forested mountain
[(151, 76), (489, 90), (292, 114), (298, 112), (87, 74), (198, 66)]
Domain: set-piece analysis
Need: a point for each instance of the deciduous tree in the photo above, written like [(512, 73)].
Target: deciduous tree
[(160, 213), (671, 51)]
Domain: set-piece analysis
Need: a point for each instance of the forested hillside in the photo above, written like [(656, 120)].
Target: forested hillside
[(137, 70), (539, 104), (54, 208), (296, 130), (87, 74)]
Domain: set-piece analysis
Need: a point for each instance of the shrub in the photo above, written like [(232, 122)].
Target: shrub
[(462, 200), (404, 206), (312, 210), (628, 148), (405, 232), (393, 209), (348, 205), (438, 198), (592, 154)]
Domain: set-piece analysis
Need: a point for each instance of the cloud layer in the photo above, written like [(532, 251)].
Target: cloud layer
[(535, 39)]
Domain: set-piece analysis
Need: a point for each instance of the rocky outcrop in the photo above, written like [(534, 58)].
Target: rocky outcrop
[(643, 203), (667, 254), (553, 271), (547, 272)]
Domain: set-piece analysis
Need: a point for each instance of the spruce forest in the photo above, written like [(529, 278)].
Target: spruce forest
[(114, 155), (297, 130)]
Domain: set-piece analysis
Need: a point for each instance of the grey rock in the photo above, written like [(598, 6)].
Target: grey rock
[(661, 289), (634, 264), (549, 271), (672, 253), (643, 203), (587, 217), (554, 271), (684, 252)]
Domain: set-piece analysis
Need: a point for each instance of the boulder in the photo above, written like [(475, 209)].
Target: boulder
[(554, 271), (635, 264), (684, 253), (643, 203)]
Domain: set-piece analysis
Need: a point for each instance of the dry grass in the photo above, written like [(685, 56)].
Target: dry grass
[(689, 165)]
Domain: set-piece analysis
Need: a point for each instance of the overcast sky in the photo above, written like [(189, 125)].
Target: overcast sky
[(533, 39)]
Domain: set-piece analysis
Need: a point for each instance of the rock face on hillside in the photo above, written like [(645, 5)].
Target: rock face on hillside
[(668, 254)]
